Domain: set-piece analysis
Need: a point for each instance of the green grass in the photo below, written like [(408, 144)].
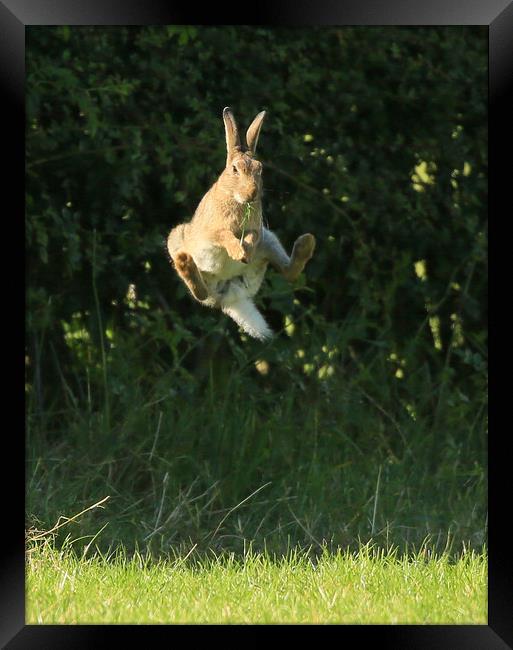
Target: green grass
[(368, 586), (212, 452), (294, 451), (178, 462)]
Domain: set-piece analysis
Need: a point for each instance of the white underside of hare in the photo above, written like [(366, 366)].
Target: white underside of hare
[(231, 286), (213, 259)]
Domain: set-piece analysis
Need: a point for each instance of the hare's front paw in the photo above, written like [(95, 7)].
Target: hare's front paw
[(249, 244), (236, 251)]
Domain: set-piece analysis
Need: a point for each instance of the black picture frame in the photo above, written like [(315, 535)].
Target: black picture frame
[(15, 15)]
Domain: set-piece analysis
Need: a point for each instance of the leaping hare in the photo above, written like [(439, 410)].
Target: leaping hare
[(223, 252)]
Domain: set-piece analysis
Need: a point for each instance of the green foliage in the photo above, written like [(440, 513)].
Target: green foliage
[(375, 142)]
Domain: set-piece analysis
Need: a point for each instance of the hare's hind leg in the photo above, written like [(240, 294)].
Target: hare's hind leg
[(303, 250), (291, 266), (184, 264), (186, 268)]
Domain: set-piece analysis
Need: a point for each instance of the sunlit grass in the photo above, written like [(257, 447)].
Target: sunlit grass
[(367, 587)]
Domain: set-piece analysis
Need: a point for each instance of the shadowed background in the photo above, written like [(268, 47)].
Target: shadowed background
[(365, 418)]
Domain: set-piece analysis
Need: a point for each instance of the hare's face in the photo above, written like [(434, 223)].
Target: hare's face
[(243, 178)]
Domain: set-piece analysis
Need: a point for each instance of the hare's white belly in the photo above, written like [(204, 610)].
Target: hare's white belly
[(215, 260), (231, 285), (242, 284)]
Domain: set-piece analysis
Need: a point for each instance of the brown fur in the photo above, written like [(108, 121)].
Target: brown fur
[(229, 219)]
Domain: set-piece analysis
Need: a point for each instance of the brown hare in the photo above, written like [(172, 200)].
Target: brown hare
[(223, 252)]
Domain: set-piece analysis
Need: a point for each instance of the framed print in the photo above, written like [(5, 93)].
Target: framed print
[(256, 321)]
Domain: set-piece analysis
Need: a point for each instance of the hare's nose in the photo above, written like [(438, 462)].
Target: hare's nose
[(252, 194)]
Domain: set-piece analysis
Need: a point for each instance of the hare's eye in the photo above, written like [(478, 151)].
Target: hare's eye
[(235, 170)]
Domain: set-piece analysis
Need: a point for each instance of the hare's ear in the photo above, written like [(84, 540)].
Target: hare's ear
[(254, 131), (232, 133)]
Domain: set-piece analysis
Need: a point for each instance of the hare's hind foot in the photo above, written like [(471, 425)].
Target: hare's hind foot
[(186, 268), (303, 250)]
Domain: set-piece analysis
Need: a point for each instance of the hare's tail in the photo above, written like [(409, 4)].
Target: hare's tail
[(247, 316)]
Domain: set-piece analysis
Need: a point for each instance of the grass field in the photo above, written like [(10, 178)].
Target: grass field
[(278, 459), (368, 586), (172, 489), (298, 446)]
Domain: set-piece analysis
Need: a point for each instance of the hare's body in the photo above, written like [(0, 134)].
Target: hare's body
[(222, 254)]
